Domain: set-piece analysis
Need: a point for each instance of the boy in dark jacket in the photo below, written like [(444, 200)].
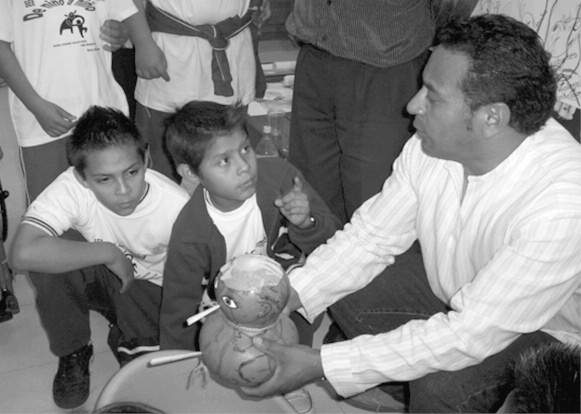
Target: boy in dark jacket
[(242, 205)]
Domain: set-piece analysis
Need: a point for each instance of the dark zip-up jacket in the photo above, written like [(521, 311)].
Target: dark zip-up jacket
[(197, 250)]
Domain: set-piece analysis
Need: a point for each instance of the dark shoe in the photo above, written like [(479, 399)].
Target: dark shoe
[(11, 302), (5, 313), (70, 388)]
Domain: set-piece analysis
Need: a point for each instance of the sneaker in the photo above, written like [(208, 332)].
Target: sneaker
[(127, 351), (70, 388), (300, 401)]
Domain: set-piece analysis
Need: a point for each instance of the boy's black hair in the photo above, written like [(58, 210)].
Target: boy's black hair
[(99, 128), (189, 130), (545, 379), (508, 63)]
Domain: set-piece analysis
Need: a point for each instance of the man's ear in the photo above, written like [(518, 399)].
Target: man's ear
[(80, 178), (493, 118)]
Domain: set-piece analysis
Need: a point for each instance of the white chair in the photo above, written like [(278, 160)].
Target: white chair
[(180, 387)]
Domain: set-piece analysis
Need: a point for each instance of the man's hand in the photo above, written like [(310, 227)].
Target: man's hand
[(114, 34), (295, 205), (122, 267), (150, 62), (53, 119), (296, 366)]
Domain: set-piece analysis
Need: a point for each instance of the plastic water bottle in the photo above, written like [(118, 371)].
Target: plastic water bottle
[(266, 147)]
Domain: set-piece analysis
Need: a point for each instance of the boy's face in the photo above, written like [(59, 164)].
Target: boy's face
[(116, 175), (228, 170)]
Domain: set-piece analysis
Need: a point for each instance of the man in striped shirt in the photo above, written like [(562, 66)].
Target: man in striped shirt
[(490, 186)]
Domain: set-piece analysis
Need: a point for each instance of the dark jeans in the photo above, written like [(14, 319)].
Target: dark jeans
[(123, 67), (348, 124), (64, 301), (402, 293), (150, 123)]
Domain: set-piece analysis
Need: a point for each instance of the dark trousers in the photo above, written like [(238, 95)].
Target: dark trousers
[(123, 67), (402, 293), (150, 124), (64, 301), (348, 124)]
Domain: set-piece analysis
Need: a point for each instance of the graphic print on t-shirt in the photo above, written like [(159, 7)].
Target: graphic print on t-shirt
[(74, 20)]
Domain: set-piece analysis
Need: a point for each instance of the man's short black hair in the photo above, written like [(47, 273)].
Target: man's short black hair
[(189, 130), (508, 63), (100, 128)]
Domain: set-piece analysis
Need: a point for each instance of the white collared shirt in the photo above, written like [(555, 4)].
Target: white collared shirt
[(505, 257)]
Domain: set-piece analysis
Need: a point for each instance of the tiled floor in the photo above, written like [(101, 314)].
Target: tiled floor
[(27, 367)]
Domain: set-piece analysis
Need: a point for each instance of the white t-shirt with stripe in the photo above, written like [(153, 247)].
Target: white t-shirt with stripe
[(143, 235)]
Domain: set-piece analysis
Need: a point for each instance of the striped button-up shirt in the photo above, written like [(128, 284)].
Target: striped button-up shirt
[(504, 252), (379, 33)]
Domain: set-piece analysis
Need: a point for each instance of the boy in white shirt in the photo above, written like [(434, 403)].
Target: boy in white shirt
[(125, 213)]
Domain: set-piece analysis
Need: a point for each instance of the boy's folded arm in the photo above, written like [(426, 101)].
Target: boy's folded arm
[(35, 250)]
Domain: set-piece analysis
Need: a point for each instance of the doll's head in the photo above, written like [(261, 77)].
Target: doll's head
[(252, 290)]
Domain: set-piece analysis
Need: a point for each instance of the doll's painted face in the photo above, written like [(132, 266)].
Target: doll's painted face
[(252, 290)]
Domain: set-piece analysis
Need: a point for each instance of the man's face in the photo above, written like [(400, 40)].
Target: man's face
[(228, 170), (116, 175), (443, 120)]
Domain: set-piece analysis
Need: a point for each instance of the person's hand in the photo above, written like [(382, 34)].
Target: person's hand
[(150, 62), (122, 267), (296, 366), (264, 14), (53, 119), (114, 33), (295, 206)]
